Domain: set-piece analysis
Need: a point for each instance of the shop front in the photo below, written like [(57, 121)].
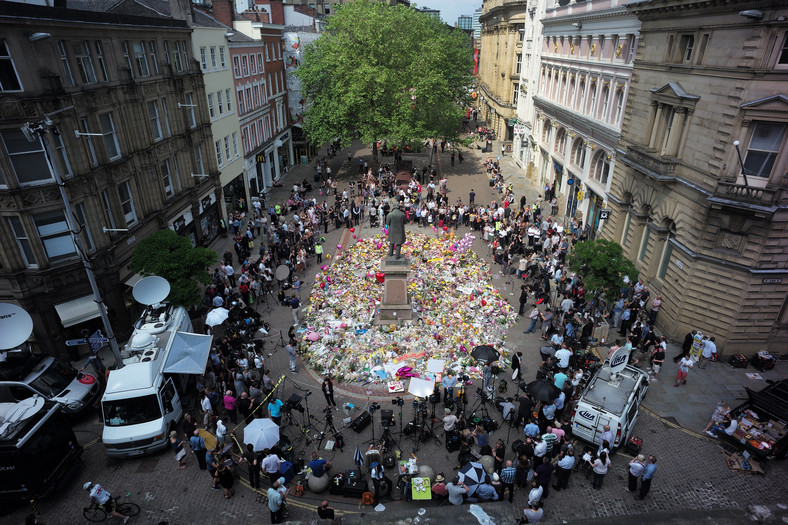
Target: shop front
[(595, 205), (233, 192), (209, 217), (183, 224)]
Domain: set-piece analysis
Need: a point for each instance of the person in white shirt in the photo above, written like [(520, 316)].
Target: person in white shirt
[(535, 495), (562, 356), (709, 349), (221, 431)]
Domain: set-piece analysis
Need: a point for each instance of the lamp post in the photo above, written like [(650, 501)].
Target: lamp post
[(38, 131)]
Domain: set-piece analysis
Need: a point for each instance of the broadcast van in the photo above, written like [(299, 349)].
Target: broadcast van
[(612, 397), (143, 400)]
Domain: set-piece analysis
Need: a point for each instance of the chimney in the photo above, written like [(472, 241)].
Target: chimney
[(182, 10), (224, 11)]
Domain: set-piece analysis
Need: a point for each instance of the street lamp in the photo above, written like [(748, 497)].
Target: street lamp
[(38, 131)]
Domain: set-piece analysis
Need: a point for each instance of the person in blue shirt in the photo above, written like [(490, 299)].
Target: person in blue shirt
[(531, 429), (318, 465), (648, 475), (449, 382), (275, 410), (549, 411)]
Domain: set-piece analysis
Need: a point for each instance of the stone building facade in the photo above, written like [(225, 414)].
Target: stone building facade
[(708, 236), (587, 54), (112, 85), (502, 31)]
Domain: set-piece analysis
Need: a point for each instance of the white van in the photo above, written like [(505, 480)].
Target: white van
[(141, 403), (612, 397)]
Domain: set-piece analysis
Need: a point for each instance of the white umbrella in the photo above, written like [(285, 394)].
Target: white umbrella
[(261, 433), (217, 316)]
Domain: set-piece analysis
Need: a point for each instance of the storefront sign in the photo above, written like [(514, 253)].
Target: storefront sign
[(679, 264), (570, 181), (284, 136), (771, 281), (206, 202), (519, 129), (604, 214), (181, 221), (260, 158)]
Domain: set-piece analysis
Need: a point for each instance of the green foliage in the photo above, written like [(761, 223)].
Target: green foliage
[(602, 266), (167, 254), (382, 72)]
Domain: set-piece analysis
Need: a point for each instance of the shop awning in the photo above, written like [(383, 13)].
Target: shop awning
[(134, 279), (77, 311), (188, 353)]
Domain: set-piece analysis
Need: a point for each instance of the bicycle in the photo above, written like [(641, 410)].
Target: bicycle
[(98, 513)]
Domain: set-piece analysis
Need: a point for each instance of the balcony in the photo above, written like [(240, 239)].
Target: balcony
[(743, 197)]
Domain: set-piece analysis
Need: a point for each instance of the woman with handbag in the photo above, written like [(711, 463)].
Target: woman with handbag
[(179, 449)]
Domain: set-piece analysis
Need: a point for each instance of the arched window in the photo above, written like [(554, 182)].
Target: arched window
[(560, 141), (581, 99), (546, 131), (600, 169), (605, 98), (579, 153)]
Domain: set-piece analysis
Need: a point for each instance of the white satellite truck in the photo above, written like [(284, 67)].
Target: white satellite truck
[(24, 374), (142, 400), (612, 397)]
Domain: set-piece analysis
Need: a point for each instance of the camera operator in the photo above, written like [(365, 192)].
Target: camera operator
[(449, 422), (319, 466)]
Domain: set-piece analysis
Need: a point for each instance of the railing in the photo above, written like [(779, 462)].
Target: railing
[(745, 193)]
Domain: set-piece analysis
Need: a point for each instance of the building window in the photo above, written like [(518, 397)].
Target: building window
[(601, 169), (203, 59), (704, 42), (166, 179), (127, 57), (252, 65), (619, 106), (127, 203), (89, 140), (54, 234), (100, 57), (190, 111), (153, 58), (110, 136), (219, 152), (222, 58), (236, 67), (23, 242), (211, 107), (9, 78), (625, 233), (84, 63), (245, 65), (213, 58), (140, 59), (260, 67), (765, 144), (235, 144), (546, 131), (686, 45), (228, 98), (108, 209), (155, 123), (166, 116), (666, 256), (60, 153), (66, 66), (198, 161), (515, 93), (519, 64), (27, 158), (84, 229), (220, 102), (632, 49), (579, 153), (560, 141), (241, 107), (177, 62), (227, 149), (605, 100), (644, 243), (265, 49), (581, 102), (782, 56), (592, 101)]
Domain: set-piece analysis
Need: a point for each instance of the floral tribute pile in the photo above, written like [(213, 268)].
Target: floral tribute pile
[(456, 309)]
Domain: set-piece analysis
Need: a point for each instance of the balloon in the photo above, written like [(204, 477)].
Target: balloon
[(484, 303), (370, 275), (352, 230), (328, 279), (323, 286), (339, 246), (313, 336), (354, 235), (324, 267), (380, 276), (328, 256), (445, 228)]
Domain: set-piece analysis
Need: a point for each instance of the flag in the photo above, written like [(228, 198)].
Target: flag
[(357, 457)]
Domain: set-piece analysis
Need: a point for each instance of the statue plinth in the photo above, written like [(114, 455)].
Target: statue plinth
[(395, 304)]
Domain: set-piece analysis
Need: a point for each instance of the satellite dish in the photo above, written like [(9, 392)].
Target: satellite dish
[(16, 325), (151, 290)]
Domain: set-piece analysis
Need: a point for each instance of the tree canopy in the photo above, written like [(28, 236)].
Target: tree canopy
[(168, 255), (382, 72), (602, 266)]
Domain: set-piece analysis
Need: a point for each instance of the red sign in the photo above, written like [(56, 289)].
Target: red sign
[(475, 62)]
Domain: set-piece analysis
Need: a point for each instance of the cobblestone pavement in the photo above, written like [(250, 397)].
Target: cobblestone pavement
[(692, 482)]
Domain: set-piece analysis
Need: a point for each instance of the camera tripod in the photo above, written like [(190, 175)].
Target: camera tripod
[(280, 343), (387, 439), (329, 429), (372, 410)]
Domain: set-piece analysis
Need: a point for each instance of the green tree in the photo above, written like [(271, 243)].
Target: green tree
[(167, 254), (382, 72), (602, 266)]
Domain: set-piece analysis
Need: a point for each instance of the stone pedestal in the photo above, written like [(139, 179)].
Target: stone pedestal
[(395, 304)]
